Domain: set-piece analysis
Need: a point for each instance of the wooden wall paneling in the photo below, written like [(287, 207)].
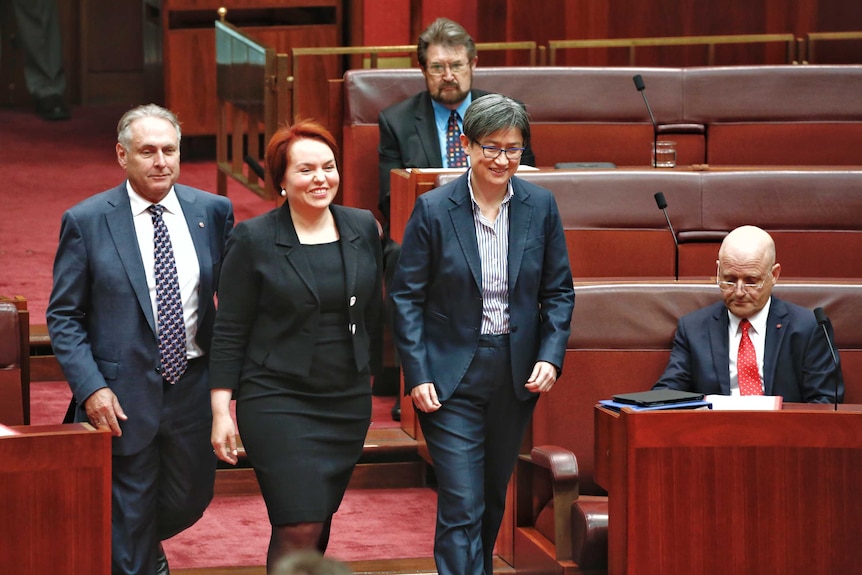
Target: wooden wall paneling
[(189, 50), (838, 17), (111, 52)]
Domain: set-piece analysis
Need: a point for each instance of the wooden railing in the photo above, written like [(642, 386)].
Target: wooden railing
[(708, 42), (253, 98)]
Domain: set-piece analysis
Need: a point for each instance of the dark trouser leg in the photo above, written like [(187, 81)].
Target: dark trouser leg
[(188, 464), (507, 420), (133, 513), (39, 31), (473, 454)]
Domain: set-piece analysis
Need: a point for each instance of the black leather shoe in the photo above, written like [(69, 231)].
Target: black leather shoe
[(162, 562), (396, 411), (52, 108)]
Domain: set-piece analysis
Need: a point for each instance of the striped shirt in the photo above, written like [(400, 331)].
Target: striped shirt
[(493, 240)]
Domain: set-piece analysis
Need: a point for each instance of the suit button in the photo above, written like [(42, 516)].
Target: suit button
[(513, 329), (352, 300), (353, 328), (158, 369)]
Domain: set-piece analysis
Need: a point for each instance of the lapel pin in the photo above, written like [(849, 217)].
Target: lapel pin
[(200, 224), (778, 326)]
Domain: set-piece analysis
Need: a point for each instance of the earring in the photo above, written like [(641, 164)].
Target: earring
[(283, 192)]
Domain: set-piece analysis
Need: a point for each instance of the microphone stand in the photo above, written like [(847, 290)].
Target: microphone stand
[(654, 133), (639, 84), (661, 202), (822, 320)]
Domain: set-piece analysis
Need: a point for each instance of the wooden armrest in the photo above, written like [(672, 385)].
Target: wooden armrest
[(563, 466), (561, 462)]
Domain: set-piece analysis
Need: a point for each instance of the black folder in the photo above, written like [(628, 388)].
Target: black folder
[(658, 397)]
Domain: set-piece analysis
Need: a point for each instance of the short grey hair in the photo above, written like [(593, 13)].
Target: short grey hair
[(124, 126), (493, 112), (447, 33)]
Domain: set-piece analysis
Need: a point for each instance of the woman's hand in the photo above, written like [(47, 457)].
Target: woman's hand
[(223, 436), (424, 397), (543, 377)]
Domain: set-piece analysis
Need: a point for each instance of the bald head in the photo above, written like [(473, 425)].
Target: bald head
[(747, 257), (748, 243)]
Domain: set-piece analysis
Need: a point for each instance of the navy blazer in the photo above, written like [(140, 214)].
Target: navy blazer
[(408, 139), (437, 287), (797, 363), (100, 316), (268, 304)]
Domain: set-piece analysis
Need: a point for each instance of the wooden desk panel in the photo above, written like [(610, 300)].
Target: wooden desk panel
[(732, 492), (56, 500)]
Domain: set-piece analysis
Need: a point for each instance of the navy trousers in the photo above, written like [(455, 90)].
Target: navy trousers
[(474, 440), (165, 488)]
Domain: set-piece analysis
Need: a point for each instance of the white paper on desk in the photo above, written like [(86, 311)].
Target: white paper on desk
[(745, 402), (5, 431)]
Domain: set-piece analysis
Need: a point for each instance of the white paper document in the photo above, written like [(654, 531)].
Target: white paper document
[(745, 402)]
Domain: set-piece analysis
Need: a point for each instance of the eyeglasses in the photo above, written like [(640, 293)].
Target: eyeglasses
[(438, 69), (493, 152), (731, 285)]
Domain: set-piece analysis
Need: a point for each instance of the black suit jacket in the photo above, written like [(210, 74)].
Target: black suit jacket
[(797, 363), (268, 306), (408, 139)]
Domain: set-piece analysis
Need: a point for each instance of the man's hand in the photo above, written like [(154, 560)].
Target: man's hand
[(425, 397), (543, 377), (103, 408)]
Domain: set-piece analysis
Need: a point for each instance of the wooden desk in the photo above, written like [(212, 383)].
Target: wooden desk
[(55, 500), (732, 492)]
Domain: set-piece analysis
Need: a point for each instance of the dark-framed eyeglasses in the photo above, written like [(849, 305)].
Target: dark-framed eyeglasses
[(493, 152)]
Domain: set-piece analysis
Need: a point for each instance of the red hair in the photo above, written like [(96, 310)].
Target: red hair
[(280, 143)]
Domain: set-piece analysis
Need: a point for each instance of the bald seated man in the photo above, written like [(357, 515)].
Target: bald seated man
[(792, 356)]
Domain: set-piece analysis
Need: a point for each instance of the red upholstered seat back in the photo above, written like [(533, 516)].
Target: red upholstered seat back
[(778, 115)]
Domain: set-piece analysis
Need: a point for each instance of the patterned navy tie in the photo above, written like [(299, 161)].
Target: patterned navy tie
[(455, 157), (172, 329)]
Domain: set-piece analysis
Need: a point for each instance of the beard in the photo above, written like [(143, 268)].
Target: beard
[(449, 93)]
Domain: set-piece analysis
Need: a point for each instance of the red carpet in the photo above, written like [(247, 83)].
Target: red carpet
[(234, 531)]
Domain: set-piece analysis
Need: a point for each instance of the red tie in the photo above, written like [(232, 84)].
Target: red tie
[(746, 364)]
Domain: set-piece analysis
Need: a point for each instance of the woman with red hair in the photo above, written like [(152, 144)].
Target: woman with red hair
[(295, 338)]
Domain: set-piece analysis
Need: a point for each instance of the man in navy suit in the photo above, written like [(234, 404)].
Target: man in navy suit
[(103, 320), (483, 298), (791, 351)]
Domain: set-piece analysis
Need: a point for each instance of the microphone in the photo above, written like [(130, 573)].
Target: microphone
[(822, 320), (639, 84), (662, 205)]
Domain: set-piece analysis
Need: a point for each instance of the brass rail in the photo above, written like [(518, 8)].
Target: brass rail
[(710, 42)]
